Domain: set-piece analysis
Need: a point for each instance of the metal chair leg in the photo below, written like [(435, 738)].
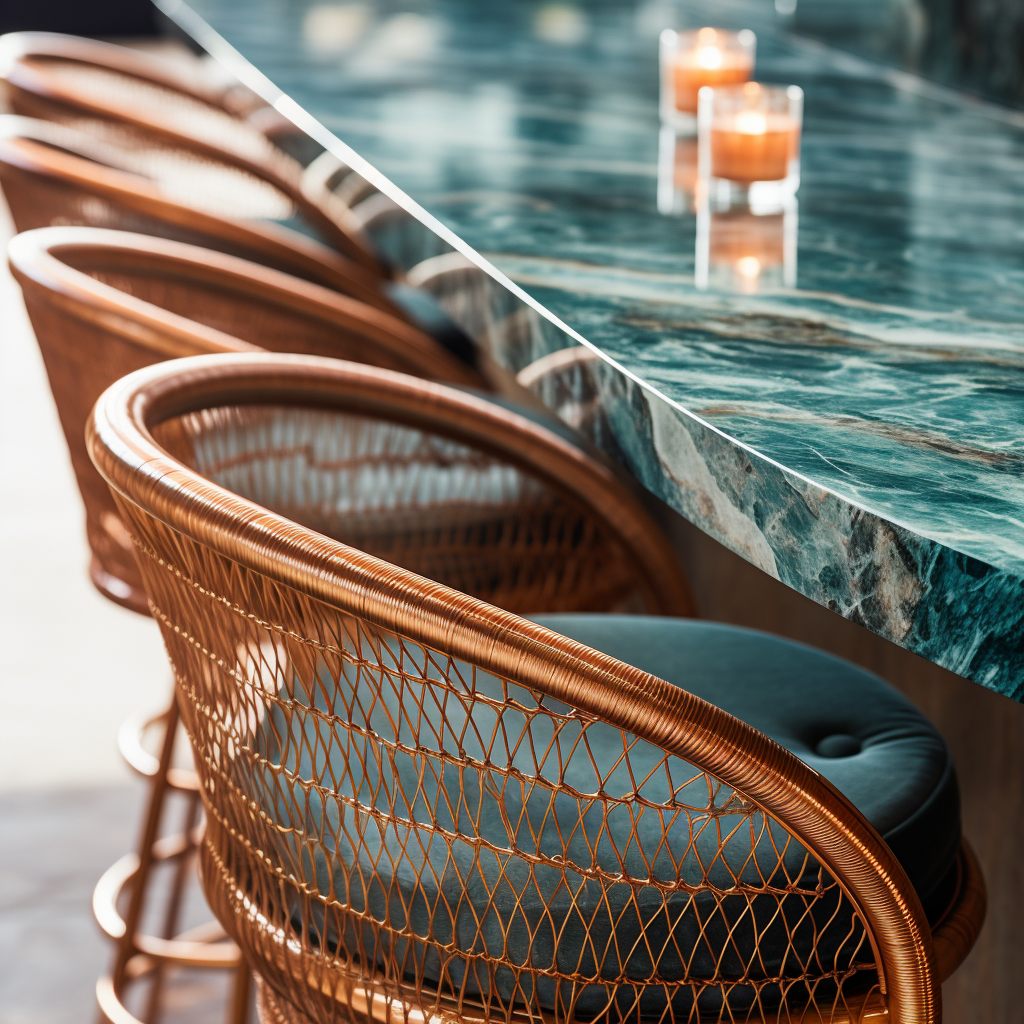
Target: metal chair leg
[(172, 912), (150, 831), (139, 955), (241, 996)]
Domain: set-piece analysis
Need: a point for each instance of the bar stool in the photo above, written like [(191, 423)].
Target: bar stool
[(52, 174), (198, 78), (86, 292), (423, 807), (103, 303), (133, 102)]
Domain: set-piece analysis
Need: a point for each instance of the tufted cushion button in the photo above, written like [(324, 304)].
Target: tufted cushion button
[(838, 745)]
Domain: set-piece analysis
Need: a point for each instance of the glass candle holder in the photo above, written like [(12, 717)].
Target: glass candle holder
[(749, 139), (691, 60), (677, 172), (743, 251)]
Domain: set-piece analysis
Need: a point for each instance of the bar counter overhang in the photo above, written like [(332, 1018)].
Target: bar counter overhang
[(859, 437)]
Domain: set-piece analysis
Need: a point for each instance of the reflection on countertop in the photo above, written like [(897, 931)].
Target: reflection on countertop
[(745, 250)]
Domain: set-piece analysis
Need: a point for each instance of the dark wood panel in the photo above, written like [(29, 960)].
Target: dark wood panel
[(984, 730)]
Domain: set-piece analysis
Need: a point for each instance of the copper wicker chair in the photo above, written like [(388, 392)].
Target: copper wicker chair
[(197, 78), (423, 808), (52, 174), (102, 304), (133, 102)]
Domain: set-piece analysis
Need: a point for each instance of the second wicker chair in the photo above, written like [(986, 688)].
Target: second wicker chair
[(104, 303)]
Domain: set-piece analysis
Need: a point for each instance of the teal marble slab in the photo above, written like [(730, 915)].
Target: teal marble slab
[(860, 435)]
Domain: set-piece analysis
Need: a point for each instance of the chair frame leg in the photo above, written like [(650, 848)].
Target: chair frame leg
[(150, 830), (241, 995), (138, 955), (172, 914)]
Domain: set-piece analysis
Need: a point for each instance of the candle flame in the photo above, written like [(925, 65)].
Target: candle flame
[(748, 267), (707, 35), (751, 123), (709, 57)]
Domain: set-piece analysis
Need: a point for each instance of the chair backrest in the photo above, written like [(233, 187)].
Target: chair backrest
[(104, 303), (422, 807), (55, 175), (73, 81)]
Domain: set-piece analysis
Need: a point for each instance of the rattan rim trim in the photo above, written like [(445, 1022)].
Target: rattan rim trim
[(35, 256)]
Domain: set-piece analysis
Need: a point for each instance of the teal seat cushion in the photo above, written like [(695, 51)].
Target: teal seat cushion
[(852, 727), (377, 819)]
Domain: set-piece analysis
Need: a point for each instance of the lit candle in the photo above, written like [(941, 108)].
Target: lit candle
[(754, 147), (710, 57), (751, 133)]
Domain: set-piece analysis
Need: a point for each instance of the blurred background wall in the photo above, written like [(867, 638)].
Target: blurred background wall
[(976, 45), (80, 17)]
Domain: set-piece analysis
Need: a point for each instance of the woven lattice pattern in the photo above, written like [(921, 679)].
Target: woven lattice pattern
[(423, 501), (390, 824)]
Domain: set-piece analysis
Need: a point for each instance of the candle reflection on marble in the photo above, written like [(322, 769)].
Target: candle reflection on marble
[(746, 250), (677, 172), (749, 136), (690, 60)]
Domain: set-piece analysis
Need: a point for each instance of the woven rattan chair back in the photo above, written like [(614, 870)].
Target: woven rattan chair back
[(104, 303), (76, 82), (198, 78), (55, 175), (423, 808)]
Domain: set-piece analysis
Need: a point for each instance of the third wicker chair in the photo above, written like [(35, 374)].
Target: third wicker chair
[(53, 174), (422, 807)]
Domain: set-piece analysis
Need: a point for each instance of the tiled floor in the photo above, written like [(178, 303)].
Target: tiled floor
[(54, 844), (73, 667)]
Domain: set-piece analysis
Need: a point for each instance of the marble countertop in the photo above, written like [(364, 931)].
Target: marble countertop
[(859, 434)]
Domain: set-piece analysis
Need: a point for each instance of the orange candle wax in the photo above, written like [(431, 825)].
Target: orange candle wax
[(753, 146), (708, 65)]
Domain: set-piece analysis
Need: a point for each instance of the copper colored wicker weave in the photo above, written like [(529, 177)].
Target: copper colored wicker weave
[(52, 174), (374, 746), (131, 102), (104, 303), (197, 78), (87, 291)]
